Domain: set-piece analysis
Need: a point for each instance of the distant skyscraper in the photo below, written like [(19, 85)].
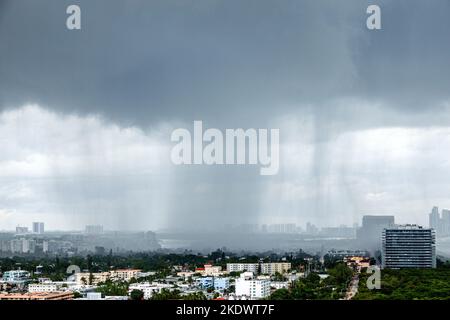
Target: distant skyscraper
[(434, 218), (369, 235), (438, 223), (446, 221), (38, 227), (408, 246)]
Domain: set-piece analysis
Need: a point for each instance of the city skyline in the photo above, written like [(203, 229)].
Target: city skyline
[(302, 226)]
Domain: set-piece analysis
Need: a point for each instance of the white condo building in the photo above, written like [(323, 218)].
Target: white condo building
[(239, 267), (150, 288), (248, 286)]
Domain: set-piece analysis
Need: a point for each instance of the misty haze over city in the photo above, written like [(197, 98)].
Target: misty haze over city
[(363, 116)]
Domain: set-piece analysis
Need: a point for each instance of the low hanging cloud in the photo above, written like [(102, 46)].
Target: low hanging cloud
[(71, 170), (57, 166)]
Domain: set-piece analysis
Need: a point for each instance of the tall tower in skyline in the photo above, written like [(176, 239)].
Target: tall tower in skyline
[(38, 227), (434, 218), (369, 235)]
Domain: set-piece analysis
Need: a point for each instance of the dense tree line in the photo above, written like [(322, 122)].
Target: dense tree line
[(408, 284)]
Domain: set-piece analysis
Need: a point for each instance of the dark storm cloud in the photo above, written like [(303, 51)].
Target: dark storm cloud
[(143, 61), (230, 63)]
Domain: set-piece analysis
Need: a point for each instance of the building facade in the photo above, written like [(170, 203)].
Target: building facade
[(248, 286), (43, 287), (275, 267), (221, 283), (240, 267), (149, 289), (83, 278), (408, 246), (16, 276), (66, 295)]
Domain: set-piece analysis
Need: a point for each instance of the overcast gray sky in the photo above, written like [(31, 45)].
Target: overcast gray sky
[(86, 116)]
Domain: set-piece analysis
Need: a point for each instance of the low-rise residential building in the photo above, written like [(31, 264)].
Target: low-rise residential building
[(43, 287), (210, 270), (218, 283), (279, 284), (95, 278), (275, 267), (65, 295), (125, 274), (221, 283), (150, 288), (16, 276), (357, 262), (205, 282), (240, 267), (214, 271)]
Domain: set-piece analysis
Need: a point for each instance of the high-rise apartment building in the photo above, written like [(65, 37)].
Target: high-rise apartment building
[(408, 246), (434, 218)]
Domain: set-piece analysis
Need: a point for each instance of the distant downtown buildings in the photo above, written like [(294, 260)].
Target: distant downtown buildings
[(440, 222), (408, 246), (369, 235), (93, 229), (38, 227)]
